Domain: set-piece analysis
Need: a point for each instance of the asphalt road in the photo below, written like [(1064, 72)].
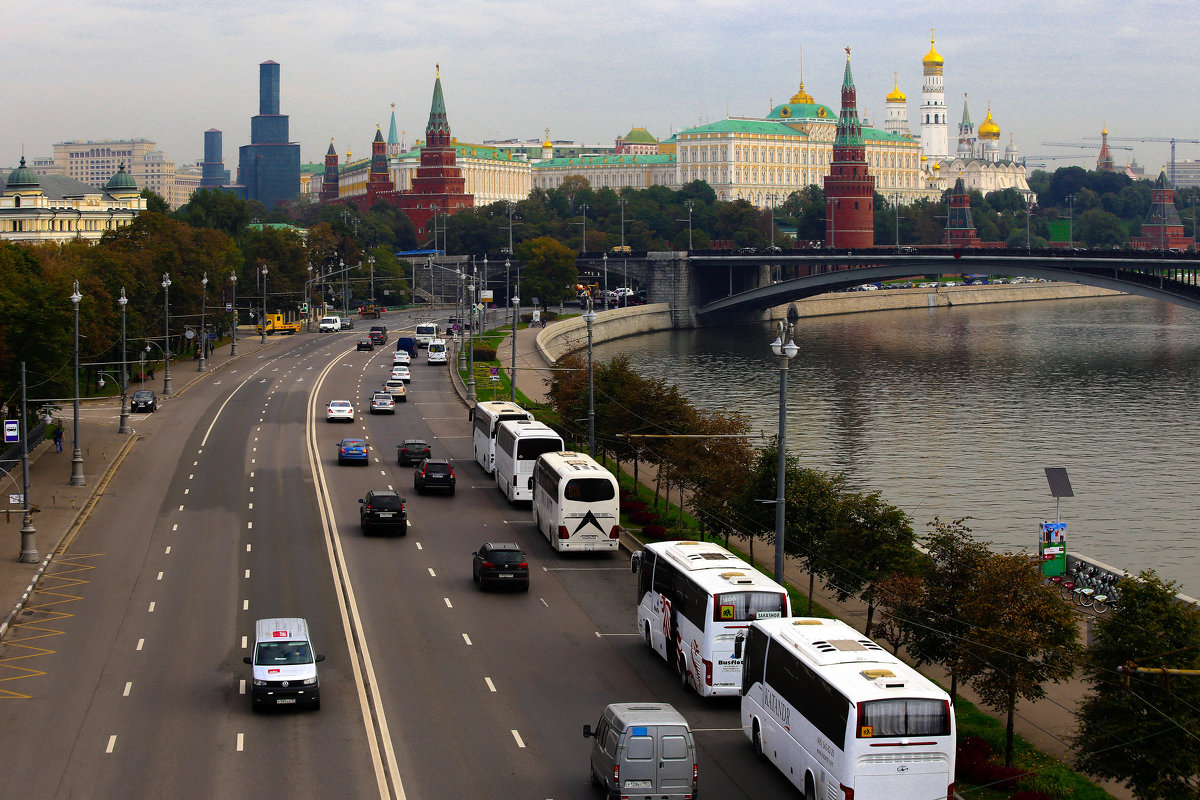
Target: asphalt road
[(232, 507)]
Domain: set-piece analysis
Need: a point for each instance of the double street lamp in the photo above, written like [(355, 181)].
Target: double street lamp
[(166, 284), (590, 319), (76, 456), (263, 321), (124, 426), (785, 352), (203, 329), (233, 347)]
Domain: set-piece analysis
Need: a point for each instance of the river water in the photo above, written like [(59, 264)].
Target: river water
[(955, 412)]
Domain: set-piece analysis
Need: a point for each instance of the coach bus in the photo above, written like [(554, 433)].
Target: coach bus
[(486, 418), (575, 502), (694, 599), (842, 717), (519, 442)]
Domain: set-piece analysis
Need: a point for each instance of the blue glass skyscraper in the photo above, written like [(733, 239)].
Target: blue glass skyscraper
[(269, 167)]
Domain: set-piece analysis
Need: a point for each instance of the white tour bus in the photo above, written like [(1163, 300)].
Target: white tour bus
[(519, 442), (842, 717), (426, 331), (694, 600), (486, 417), (575, 502)]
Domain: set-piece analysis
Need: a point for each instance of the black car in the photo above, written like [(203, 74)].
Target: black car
[(433, 473), (499, 564), (366, 344), (383, 509), (143, 400), (411, 451)]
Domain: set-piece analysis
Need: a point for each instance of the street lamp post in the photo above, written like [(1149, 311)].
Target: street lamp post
[(124, 426), (583, 244), (785, 352), (234, 326), (76, 456), (29, 553), (263, 321), (166, 284), (512, 373), (690, 205), (590, 319), (1030, 202), (203, 330), (1070, 220), (471, 343), (604, 258), (896, 200)]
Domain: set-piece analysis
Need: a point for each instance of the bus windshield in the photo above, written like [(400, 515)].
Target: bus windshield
[(589, 490), (530, 449), (903, 717), (748, 606)]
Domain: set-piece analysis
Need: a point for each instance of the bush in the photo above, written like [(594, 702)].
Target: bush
[(654, 532), (643, 517), (631, 506), (1030, 795), (973, 750), (993, 776)]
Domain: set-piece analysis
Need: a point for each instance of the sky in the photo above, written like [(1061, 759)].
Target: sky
[(167, 71)]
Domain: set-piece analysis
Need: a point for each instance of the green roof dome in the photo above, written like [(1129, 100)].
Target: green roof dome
[(121, 182), (23, 178)]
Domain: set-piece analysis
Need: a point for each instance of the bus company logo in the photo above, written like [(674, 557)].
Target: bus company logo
[(902, 768), (588, 519), (780, 709)]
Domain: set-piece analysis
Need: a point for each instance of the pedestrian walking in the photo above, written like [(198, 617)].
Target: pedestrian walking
[(58, 437)]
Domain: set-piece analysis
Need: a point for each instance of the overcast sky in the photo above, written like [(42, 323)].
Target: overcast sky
[(167, 71)]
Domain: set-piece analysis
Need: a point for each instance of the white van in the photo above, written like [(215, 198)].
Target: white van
[(437, 351), (643, 749), (330, 324), (283, 669), (426, 332)]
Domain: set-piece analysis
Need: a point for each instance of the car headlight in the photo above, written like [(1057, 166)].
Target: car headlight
[(309, 681), (257, 682)]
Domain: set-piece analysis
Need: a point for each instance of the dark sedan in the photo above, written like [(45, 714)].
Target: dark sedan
[(382, 508), (499, 564), (411, 451), (143, 400), (366, 344), (433, 473)]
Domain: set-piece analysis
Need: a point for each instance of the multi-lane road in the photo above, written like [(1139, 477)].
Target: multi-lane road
[(231, 507)]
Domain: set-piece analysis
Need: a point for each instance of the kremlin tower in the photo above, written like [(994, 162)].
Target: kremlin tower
[(438, 185), (1162, 229), (1105, 162), (329, 185), (379, 180), (935, 131), (849, 190)]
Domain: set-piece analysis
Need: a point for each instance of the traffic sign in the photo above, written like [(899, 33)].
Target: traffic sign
[(12, 431), (495, 372)]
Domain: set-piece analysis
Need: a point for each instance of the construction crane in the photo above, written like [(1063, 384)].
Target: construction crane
[(1172, 139), (1085, 146), (1040, 161)]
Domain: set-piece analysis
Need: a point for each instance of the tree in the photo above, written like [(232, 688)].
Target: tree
[(215, 208), (1020, 636), (1096, 228), (548, 270), (1140, 729), (155, 201)]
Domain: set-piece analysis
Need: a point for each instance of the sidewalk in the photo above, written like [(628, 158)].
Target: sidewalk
[(62, 508), (1045, 724)]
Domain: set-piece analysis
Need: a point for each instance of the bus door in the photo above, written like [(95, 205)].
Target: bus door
[(664, 625)]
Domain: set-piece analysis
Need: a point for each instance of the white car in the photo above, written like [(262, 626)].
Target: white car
[(330, 325), (401, 372), (401, 357), (339, 410), (436, 354)]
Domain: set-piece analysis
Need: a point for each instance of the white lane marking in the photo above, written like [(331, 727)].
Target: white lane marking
[(175, 527), (601, 635), (242, 686), (159, 578), (419, 546), (251, 473), (517, 736), (491, 686), (139, 644), (168, 551), (250, 506), (128, 689), (191, 475), (244, 642), (195, 463), (181, 507), (547, 605), (247, 547), (187, 491), (245, 605), (247, 574), (151, 611), (240, 742), (112, 743), (432, 574), (447, 599), (251, 490), (249, 526), (467, 639)]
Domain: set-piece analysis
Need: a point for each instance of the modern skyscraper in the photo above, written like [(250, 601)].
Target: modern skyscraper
[(213, 169), (269, 167)]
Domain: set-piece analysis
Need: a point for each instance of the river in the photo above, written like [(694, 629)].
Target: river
[(955, 412)]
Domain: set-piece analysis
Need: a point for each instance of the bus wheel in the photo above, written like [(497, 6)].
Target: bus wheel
[(646, 636), (809, 792), (758, 747), (685, 682)]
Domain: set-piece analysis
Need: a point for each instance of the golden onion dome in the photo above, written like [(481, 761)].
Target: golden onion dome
[(989, 129), (937, 166), (801, 96), (895, 95), (932, 59)]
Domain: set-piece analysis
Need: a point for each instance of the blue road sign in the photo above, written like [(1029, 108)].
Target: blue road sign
[(12, 431)]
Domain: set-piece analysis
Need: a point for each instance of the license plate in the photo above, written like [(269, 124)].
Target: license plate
[(383, 514), (283, 701), (639, 784), (506, 574)]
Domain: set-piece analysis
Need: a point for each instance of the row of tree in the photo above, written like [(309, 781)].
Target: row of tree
[(988, 619)]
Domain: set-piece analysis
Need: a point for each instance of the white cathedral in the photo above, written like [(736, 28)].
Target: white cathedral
[(977, 159)]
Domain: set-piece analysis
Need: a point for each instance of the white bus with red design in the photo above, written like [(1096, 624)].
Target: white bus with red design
[(842, 717), (694, 600)]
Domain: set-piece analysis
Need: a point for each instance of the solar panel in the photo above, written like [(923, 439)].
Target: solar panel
[(1060, 484)]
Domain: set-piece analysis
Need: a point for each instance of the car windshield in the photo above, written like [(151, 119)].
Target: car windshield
[(433, 468), (143, 395), (353, 443), (382, 398), (415, 445), (339, 404), (505, 556), (386, 502), (270, 654)]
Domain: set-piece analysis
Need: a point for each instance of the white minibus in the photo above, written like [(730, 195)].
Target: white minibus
[(694, 600), (842, 717), (575, 502), (426, 331), (486, 417), (519, 442)]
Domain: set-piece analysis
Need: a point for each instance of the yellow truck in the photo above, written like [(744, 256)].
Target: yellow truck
[(277, 324)]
